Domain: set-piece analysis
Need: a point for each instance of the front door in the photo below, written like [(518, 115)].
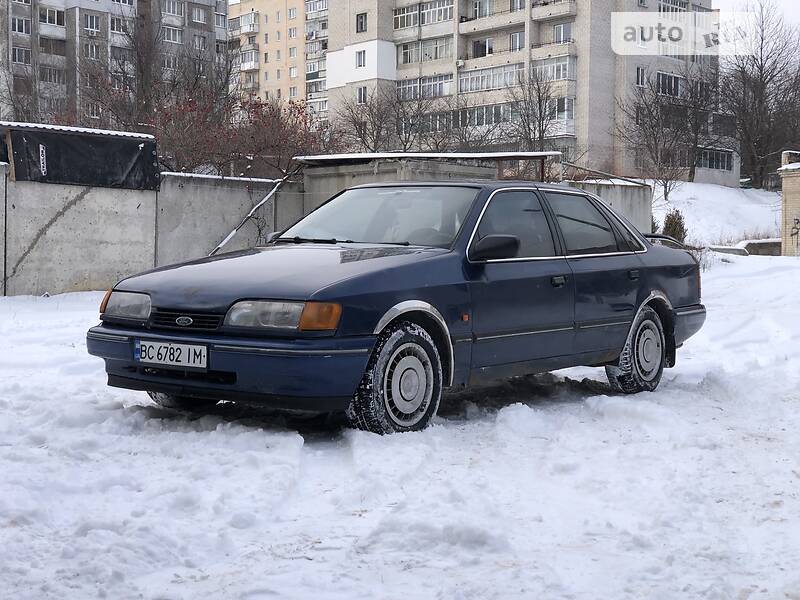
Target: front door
[(522, 307), (605, 269)]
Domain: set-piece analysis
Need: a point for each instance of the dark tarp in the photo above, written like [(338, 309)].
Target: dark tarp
[(84, 159)]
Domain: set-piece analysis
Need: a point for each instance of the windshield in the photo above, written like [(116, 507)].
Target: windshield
[(419, 216)]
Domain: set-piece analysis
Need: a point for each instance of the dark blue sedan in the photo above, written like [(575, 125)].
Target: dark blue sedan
[(387, 294)]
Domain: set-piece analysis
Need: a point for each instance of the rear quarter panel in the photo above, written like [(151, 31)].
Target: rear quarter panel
[(673, 272)]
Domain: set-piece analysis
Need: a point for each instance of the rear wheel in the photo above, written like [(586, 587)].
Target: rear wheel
[(402, 386), (181, 402), (642, 361)]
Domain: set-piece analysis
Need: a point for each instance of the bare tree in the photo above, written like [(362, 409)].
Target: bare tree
[(650, 125), (535, 114), (367, 123), (760, 89)]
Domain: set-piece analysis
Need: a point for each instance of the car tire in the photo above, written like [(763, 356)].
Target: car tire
[(181, 402), (642, 361), (402, 386)]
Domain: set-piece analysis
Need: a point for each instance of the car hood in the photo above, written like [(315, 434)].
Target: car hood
[(286, 271)]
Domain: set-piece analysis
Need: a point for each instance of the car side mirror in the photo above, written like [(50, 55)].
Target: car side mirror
[(495, 247)]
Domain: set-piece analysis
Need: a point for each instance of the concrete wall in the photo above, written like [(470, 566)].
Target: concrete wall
[(323, 182), (634, 202), (62, 238)]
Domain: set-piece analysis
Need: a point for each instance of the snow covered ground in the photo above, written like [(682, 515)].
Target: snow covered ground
[(715, 214), (547, 488)]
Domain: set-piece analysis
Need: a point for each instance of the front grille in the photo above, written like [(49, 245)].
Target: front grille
[(166, 319)]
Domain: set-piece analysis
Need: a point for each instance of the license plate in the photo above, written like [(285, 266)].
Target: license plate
[(172, 355)]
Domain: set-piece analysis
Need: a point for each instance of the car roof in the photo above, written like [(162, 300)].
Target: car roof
[(485, 184)]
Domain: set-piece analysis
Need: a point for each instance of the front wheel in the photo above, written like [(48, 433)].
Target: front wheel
[(642, 361), (402, 385)]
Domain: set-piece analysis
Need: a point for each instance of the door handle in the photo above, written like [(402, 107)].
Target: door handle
[(633, 275), (558, 281)]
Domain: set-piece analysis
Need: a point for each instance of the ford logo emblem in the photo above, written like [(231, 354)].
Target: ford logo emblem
[(184, 321)]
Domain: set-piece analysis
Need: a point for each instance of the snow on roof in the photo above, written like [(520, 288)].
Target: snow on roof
[(83, 130), (204, 176), (791, 167), (322, 159), (614, 181)]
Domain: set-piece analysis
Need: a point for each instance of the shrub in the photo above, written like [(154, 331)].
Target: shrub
[(654, 225), (675, 226)]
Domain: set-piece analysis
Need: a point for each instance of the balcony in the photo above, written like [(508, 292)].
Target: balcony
[(544, 10), (502, 56), (249, 66), (551, 49), (250, 27), (561, 128), (250, 86), (498, 19)]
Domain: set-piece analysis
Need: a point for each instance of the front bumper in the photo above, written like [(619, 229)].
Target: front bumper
[(318, 375), (688, 321)]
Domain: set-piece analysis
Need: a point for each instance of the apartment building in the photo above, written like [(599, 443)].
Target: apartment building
[(478, 48), (316, 53), (271, 38), (46, 41)]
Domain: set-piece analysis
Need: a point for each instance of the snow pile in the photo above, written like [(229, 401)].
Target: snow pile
[(715, 214), (550, 487)]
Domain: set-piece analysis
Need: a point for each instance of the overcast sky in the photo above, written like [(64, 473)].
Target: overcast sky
[(790, 8)]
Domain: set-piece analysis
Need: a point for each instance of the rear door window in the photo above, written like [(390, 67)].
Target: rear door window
[(585, 229), (519, 213)]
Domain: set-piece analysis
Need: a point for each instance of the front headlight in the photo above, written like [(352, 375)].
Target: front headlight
[(302, 316), (126, 305)]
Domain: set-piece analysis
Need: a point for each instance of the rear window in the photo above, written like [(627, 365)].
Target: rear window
[(585, 229)]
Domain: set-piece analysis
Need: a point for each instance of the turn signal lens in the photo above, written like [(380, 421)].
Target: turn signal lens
[(104, 303), (320, 316)]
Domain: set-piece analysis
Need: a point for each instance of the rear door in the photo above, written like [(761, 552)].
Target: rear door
[(522, 307), (606, 271)]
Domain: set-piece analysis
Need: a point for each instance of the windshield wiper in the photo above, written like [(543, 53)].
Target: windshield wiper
[(303, 240)]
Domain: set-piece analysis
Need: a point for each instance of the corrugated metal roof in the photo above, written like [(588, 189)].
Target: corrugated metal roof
[(80, 130)]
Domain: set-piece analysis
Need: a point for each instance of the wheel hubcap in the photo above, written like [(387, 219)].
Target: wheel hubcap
[(408, 384), (648, 350)]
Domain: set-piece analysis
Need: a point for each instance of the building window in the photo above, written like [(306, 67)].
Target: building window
[(172, 35), (266, 38), (118, 25), (292, 72), (641, 76), (128, 2), (720, 160), (278, 74), (562, 109), (277, 55), (278, 17), (52, 46), (220, 19), (198, 14), (51, 16), (517, 41), (361, 58), (493, 78), (425, 50), (91, 51), (93, 110), (20, 25), (562, 33), (278, 35), (91, 22), (291, 13), (28, 2), (668, 84), (517, 5), (293, 52), (555, 69), (361, 22), (199, 42), (52, 75), (434, 86), (21, 56), (436, 12), (407, 16), (170, 61), (251, 39), (293, 91), (481, 48), (292, 33), (361, 95)]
